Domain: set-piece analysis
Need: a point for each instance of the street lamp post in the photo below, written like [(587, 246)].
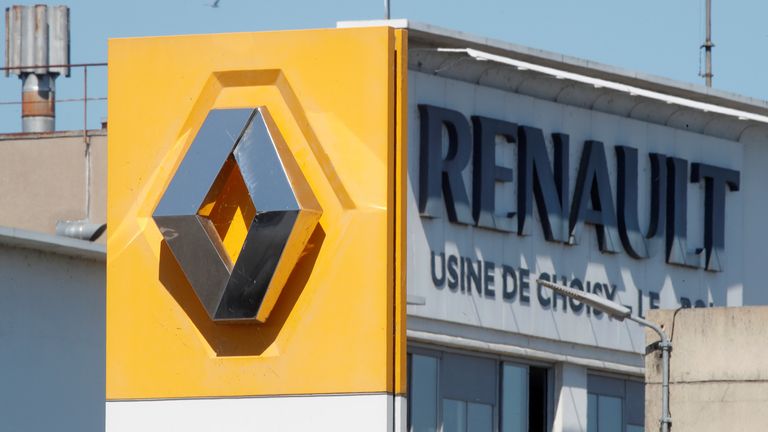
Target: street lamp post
[(621, 312)]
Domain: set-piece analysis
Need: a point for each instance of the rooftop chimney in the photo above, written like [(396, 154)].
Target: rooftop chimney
[(37, 48)]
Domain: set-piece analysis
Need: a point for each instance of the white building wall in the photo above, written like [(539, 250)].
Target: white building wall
[(340, 413), (753, 185), (583, 261), (570, 398), (576, 344)]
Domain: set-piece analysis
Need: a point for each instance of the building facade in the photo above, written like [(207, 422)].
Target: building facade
[(434, 177), (525, 165)]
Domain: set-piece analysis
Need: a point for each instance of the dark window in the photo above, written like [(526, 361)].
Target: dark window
[(538, 398)]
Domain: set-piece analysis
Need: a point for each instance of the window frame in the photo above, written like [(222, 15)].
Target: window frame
[(600, 378), (438, 353)]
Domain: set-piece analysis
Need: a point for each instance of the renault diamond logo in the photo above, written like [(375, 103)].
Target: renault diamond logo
[(237, 147)]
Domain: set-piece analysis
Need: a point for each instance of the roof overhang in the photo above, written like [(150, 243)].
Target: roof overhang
[(577, 82)]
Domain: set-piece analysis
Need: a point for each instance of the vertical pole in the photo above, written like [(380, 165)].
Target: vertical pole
[(708, 46), (87, 144), (386, 9), (85, 101), (666, 419)]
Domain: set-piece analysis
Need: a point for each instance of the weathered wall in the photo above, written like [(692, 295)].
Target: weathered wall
[(42, 179), (718, 372)]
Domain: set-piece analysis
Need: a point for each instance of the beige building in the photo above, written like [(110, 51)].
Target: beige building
[(50, 177), (718, 373)]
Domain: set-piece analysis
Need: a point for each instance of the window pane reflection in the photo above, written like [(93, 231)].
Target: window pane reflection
[(609, 415), (591, 412), (454, 415), (423, 394), (479, 417), (514, 403)]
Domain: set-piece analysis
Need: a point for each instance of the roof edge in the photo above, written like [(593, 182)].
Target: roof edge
[(42, 242), (19, 136), (457, 39)]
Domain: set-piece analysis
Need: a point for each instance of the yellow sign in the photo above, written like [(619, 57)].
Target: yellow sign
[(336, 325)]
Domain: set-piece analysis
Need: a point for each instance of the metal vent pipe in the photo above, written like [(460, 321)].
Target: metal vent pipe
[(37, 50)]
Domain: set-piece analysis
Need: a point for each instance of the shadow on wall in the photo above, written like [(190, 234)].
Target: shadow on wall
[(228, 339)]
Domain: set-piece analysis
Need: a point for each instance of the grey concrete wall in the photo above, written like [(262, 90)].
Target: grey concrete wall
[(52, 342), (719, 370), (43, 176)]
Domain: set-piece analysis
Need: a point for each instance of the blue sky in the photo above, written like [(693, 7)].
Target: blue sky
[(661, 37)]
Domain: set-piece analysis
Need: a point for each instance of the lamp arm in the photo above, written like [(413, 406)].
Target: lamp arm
[(653, 326)]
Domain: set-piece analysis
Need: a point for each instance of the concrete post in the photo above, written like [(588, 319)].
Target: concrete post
[(570, 398)]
